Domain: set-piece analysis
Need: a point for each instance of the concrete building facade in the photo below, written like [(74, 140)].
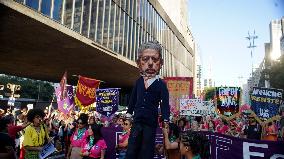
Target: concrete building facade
[(114, 29), (275, 35)]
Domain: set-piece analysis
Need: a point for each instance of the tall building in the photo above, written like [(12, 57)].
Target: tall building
[(198, 81), (282, 37), (122, 25), (106, 33), (275, 35)]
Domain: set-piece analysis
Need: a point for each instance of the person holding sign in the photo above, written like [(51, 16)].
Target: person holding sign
[(36, 134), (148, 94), (171, 140), (94, 146)]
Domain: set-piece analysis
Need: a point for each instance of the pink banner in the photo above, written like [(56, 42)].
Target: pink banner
[(179, 88), (67, 103)]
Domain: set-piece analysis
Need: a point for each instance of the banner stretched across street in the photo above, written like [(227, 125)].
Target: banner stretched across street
[(222, 146)]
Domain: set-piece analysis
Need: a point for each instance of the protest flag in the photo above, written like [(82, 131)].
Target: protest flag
[(63, 86), (86, 91)]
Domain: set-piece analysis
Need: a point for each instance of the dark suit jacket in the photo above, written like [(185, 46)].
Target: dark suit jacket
[(145, 102)]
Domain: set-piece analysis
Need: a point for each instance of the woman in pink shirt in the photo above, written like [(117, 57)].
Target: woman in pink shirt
[(78, 137), (123, 138), (94, 146), (204, 126), (222, 128)]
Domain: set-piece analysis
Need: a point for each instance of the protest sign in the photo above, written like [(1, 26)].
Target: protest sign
[(67, 103), (265, 102), (227, 100), (211, 108), (179, 88), (11, 101), (107, 101), (86, 91), (192, 107), (47, 150), (196, 107)]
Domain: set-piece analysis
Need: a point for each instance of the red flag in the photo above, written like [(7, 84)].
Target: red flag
[(86, 91), (63, 86)]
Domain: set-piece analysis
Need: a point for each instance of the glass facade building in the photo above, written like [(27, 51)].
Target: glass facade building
[(120, 26)]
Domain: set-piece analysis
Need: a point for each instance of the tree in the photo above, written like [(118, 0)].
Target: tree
[(32, 89), (209, 93), (276, 74)]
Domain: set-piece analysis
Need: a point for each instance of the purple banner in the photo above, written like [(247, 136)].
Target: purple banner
[(107, 101), (222, 146), (110, 135), (67, 103)]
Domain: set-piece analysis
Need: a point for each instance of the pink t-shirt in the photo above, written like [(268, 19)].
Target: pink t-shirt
[(123, 137), (95, 151), (75, 141), (216, 122), (223, 129), (239, 127), (205, 126)]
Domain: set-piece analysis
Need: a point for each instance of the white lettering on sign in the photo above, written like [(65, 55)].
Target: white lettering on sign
[(228, 101), (196, 107), (228, 91), (264, 113), (107, 109), (247, 153), (222, 144), (277, 156), (265, 92)]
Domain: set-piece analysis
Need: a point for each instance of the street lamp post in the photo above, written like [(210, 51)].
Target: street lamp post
[(251, 46)]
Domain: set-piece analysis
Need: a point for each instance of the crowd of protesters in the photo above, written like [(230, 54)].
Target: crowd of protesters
[(243, 126), (79, 135)]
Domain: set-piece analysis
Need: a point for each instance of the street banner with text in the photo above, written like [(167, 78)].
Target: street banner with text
[(228, 100), (179, 88), (265, 102), (221, 146), (196, 107), (107, 101), (86, 91), (67, 103), (224, 147)]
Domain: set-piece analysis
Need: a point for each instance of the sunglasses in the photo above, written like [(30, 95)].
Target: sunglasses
[(80, 123), (126, 124)]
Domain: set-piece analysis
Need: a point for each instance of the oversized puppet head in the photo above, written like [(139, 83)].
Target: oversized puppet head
[(150, 59)]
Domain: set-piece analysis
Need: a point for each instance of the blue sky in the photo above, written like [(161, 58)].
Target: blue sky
[(220, 27)]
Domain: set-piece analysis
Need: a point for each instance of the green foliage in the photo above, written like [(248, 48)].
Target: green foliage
[(276, 74), (209, 93), (31, 89)]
